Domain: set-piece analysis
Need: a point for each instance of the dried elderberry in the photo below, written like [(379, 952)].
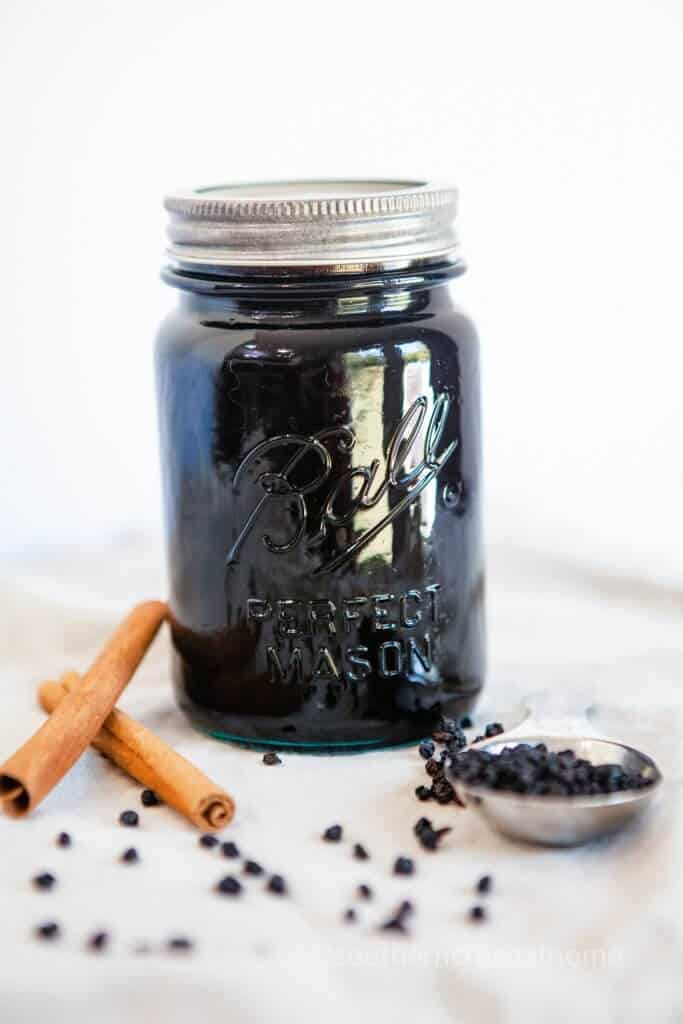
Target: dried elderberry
[(208, 841), (428, 836), (397, 922), (46, 881), (493, 729), (404, 866), (534, 770), (252, 867), (444, 793), (98, 941), (229, 886)]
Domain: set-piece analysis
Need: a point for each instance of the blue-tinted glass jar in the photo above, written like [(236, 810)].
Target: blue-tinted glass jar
[(318, 390)]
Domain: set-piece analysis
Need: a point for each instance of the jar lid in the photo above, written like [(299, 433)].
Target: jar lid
[(343, 226)]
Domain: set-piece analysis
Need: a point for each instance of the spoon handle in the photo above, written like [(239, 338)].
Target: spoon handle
[(560, 711)]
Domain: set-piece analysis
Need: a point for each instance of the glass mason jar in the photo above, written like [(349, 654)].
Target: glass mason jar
[(318, 391)]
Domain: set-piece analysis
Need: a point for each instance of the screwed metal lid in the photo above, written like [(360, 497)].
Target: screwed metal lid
[(323, 226)]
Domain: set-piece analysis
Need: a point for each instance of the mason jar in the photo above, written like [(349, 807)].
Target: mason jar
[(318, 395)]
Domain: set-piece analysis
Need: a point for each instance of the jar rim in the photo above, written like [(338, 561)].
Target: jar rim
[(320, 225)]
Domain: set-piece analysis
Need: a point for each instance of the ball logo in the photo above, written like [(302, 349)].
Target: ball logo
[(358, 489)]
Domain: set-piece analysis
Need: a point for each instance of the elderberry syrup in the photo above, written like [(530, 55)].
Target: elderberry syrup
[(318, 393)]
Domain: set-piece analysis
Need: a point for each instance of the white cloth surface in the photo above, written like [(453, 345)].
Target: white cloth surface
[(592, 934)]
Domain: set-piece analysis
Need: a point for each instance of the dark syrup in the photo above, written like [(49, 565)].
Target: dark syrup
[(321, 463)]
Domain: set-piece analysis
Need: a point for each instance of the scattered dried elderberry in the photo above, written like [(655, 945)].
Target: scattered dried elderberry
[(426, 749), (428, 836), (130, 856), (477, 913), (397, 922), (208, 841), (129, 818), (229, 849), (49, 930), (441, 789), (64, 840), (98, 941), (449, 732), (149, 798), (533, 770), (45, 881), (493, 729), (251, 867), (441, 736), (443, 792), (393, 924), (350, 915), (180, 944), (404, 866), (277, 884), (359, 852), (457, 742), (270, 757), (364, 891), (333, 834), (484, 884), (229, 886)]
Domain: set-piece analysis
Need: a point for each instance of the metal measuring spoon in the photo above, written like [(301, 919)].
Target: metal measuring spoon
[(562, 820)]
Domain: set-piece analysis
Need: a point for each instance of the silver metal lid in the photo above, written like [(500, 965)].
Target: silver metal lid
[(324, 226)]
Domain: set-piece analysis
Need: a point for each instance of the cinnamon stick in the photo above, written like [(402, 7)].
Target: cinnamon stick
[(142, 754), (29, 775)]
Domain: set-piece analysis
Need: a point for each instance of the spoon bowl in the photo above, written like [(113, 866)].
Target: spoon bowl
[(564, 820)]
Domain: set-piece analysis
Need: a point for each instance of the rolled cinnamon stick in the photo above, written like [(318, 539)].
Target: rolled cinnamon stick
[(29, 775), (140, 753)]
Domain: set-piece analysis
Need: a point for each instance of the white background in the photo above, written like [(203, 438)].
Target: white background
[(561, 122)]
